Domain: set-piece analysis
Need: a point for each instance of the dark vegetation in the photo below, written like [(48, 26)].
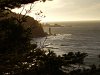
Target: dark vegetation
[(19, 57), (5, 4), (26, 22)]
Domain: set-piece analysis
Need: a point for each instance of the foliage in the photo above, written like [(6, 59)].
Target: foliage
[(92, 71), (13, 36), (36, 61), (19, 57), (74, 58), (5, 4)]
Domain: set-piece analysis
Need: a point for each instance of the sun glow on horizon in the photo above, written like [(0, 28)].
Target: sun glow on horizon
[(66, 10)]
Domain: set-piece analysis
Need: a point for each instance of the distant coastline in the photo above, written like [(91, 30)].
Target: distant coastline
[(72, 23), (52, 25)]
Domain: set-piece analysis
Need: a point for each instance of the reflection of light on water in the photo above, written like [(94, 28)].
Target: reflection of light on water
[(60, 36), (64, 43)]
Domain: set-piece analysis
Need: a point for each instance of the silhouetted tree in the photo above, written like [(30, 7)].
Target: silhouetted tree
[(74, 58), (13, 36), (19, 57), (10, 4)]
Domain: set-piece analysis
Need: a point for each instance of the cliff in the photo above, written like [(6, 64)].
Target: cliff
[(36, 28)]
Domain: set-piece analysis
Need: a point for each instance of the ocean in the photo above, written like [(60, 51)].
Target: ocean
[(73, 37)]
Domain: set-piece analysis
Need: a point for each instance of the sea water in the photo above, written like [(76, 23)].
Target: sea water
[(74, 37)]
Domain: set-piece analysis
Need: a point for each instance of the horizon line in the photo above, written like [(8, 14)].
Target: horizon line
[(69, 21)]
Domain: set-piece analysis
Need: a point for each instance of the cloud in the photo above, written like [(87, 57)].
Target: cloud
[(70, 9)]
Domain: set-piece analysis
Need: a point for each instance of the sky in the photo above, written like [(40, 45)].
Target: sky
[(65, 10)]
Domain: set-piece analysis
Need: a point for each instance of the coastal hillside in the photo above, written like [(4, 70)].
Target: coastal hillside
[(34, 25)]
